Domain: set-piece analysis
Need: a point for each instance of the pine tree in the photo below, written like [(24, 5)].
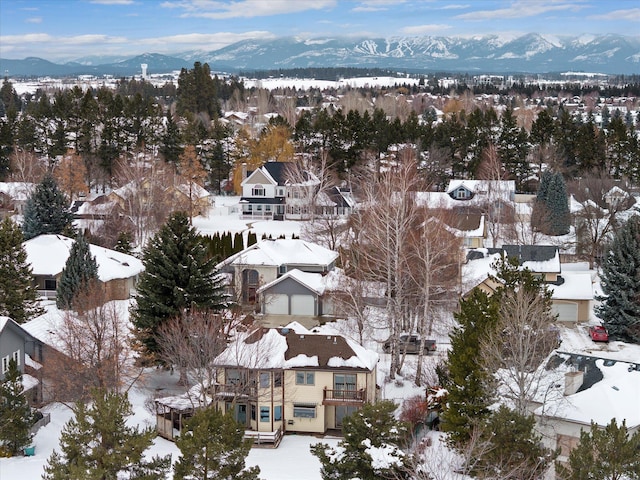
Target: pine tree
[(369, 432), (123, 243), (46, 210), (15, 414), (98, 444), (177, 278), (171, 146), (212, 446), (557, 202), (620, 280), (513, 449), (607, 453), (465, 378), (18, 296), (79, 271)]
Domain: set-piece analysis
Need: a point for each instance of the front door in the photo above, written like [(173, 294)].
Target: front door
[(344, 411)]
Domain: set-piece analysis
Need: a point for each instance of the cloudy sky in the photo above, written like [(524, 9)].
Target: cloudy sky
[(67, 29)]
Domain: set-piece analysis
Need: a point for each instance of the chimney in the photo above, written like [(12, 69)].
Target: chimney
[(244, 170), (572, 382)]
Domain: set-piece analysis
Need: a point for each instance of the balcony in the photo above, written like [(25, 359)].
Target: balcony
[(234, 391), (344, 397)]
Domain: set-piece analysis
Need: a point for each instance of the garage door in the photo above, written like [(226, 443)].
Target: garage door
[(276, 304), (567, 312), (302, 305)]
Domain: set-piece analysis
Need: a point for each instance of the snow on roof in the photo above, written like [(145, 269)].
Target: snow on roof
[(29, 382), (542, 266), (3, 322), (576, 286), (45, 326), (483, 185), (284, 348), (196, 190), (47, 255), (282, 252), (315, 282), (615, 396), (17, 190)]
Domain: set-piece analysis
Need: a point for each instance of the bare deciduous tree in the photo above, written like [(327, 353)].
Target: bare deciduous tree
[(516, 348)]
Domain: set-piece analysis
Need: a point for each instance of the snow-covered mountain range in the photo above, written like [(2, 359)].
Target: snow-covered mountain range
[(531, 53)]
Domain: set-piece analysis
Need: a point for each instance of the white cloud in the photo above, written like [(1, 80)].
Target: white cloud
[(632, 14), (425, 29), (113, 2), (522, 9), (210, 41), (34, 20), (455, 6), (245, 8)]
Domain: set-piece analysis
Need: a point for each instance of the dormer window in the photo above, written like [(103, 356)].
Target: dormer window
[(257, 191), (461, 193)]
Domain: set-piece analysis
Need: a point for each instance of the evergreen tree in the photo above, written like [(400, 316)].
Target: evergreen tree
[(46, 210), (369, 432), (171, 145), (558, 206), (465, 378), (620, 280), (513, 449), (177, 278), (79, 271), (123, 243), (212, 446), (18, 296), (98, 444), (15, 414), (607, 453)]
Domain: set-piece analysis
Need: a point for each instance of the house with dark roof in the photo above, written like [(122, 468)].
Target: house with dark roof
[(287, 380), (274, 191)]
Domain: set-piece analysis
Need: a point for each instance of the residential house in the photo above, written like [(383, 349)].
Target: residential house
[(571, 291), (48, 254), (267, 260), (13, 197), (274, 191), (594, 390), (17, 344), (285, 380), (298, 294)]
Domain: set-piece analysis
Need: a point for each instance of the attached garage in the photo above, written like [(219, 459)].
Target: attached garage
[(276, 304), (303, 305), (567, 312)]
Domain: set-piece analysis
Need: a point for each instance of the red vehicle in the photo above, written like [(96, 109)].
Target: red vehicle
[(598, 333)]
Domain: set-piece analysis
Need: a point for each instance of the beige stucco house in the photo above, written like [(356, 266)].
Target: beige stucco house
[(289, 379)]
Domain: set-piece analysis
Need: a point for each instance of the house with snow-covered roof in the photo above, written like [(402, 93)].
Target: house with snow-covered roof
[(48, 254), (289, 379), (267, 260), (571, 292), (593, 390)]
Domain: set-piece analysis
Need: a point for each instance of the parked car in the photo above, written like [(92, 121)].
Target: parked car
[(410, 344), (598, 333)]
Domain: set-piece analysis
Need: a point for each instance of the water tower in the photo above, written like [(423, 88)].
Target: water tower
[(144, 70)]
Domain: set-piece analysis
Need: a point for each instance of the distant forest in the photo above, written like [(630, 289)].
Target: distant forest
[(320, 73)]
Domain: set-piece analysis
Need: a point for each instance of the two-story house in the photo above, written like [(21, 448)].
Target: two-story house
[(282, 191), (17, 344), (267, 260), (285, 380)]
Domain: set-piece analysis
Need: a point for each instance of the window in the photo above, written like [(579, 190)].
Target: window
[(5, 364), (16, 357), (236, 377), (282, 269), (264, 414), (257, 191), (50, 284), (253, 412), (277, 413), (344, 382), (277, 379), (265, 379), (305, 378), (304, 410)]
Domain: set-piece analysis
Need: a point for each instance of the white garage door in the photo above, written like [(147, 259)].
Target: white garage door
[(302, 305), (276, 304), (567, 312)]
